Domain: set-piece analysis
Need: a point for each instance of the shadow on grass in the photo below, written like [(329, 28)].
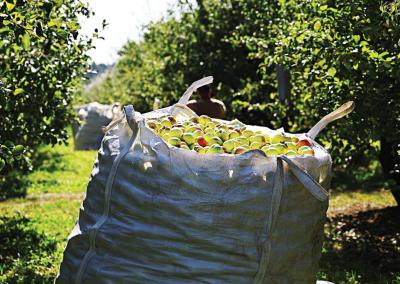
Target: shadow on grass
[(26, 256), (16, 183), (360, 178), (48, 161), (363, 245)]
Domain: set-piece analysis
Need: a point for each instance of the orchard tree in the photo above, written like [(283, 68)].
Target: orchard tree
[(42, 58), (338, 51), (181, 49)]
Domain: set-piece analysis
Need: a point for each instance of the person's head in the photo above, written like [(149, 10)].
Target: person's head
[(205, 92)]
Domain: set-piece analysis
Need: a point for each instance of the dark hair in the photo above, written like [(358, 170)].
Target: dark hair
[(204, 91)]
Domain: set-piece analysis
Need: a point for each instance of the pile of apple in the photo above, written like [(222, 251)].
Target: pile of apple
[(205, 135)]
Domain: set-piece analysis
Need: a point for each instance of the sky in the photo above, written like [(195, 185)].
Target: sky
[(125, 19)]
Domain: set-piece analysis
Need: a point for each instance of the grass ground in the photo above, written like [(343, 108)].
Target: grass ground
[(362, 245)]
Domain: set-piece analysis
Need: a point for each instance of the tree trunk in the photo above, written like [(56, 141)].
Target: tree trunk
[(389, 161), (283, 77)]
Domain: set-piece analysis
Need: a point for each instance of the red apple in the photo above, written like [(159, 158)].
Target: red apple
[(303, 142), (201, 141)]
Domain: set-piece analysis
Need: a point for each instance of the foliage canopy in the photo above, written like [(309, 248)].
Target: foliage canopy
[(42, 56), (335, 51)]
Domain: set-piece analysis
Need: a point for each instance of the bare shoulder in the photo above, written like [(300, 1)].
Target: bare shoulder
[(192, 102), (193, 105), (218, 102), (215, 101)]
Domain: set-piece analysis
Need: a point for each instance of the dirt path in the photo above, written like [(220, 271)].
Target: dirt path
[(42, 198)]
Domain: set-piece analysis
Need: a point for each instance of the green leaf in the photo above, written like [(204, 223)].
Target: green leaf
[(63, 34), (332, 71), (18, 150), (26, 41), (316, 51), (9, 5), (317, 25), (383, 54), (5, 29), (18, 91), (356, 38), (55, 22), (2, 164), (321, 62), (373, 54)]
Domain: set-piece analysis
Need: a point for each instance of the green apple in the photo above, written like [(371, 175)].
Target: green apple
[(256, 145), (208, 137), (176, 132), (188, 138), (295, 139), (277, 138), (164, 131), (194, 119), (166, 122), (286, 138), (215, 149), (267, 138), (223, 134), (269, 150), (198, 133), (243, 141), (211, 124), (174, 141), (197, 147), (183, 145), (291, 146), (291, 153), (191, 128), (238, 150), (165, 136), (154, 124), (222, 126), (247, 147), (203, 150), (204, 119), (191, 146), (186, 123), (306, 150), (215, 140), (257, 138), (210, 130), (233, 134), (280, 147), (228, 145), (247, 133), (171, 119)]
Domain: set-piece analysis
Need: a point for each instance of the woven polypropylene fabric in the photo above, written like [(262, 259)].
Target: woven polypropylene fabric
[(158, 214)]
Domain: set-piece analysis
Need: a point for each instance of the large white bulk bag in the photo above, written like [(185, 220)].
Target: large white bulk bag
[(94, 116), (159, 214)]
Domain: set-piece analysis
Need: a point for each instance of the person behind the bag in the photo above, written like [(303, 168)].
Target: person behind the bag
[(207, 105)]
